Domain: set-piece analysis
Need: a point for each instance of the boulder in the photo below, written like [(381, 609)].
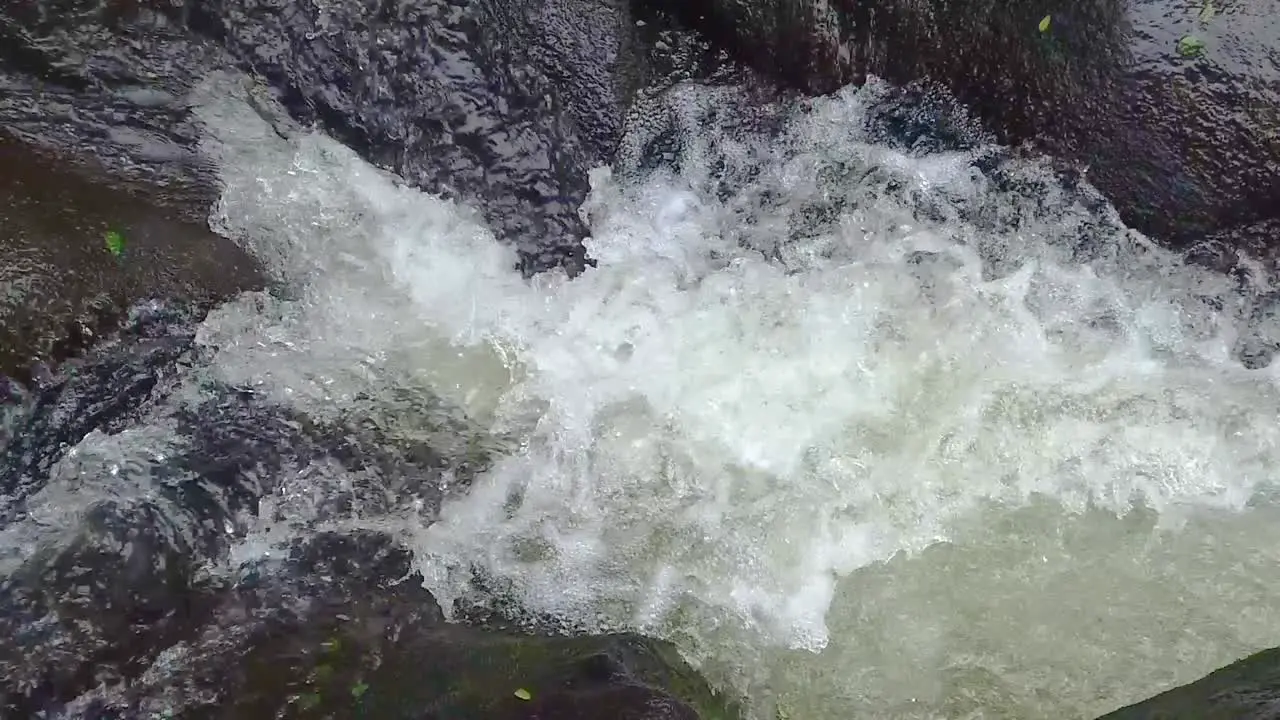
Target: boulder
[(164, 553), (343, 628), (97, 89), (505, 104), (1173, 107), (95, 138)]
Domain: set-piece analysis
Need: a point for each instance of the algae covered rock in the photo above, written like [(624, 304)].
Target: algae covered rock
[(62, 286)]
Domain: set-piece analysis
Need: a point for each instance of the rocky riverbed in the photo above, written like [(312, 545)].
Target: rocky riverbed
[(133, 481)]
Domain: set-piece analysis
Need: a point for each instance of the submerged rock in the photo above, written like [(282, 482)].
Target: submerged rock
[(1248, 689), (343, 628), (173, 547), (1172, 107)]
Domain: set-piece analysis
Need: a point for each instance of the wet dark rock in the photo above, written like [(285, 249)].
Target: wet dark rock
[(129, 478), (105, 390), (105, 546), (99, 84), (340, 626), (1183, 146), (443, 93), (61, 288), (1248, 689), (90, 611), (504, 103), (220, 450), (1222, 251), (343, 628)]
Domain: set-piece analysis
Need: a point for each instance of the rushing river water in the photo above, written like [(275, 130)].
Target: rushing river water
[(867, 430)]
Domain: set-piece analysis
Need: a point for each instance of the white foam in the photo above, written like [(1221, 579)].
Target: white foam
[(710, 440)]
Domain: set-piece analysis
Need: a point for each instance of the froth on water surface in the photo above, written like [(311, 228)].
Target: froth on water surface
[(865, 426)]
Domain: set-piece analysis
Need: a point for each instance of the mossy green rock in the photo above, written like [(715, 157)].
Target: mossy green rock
[(1245, 690)]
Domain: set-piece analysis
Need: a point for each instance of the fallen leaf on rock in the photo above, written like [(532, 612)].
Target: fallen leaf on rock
[(115, 242)]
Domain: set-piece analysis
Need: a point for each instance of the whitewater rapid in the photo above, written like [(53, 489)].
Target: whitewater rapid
[(865, 430)]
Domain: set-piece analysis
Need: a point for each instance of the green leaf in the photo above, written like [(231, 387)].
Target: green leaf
[(1044, 23), (309, 701), (523, 694), (1190, 46), (359, 689), (115, 242), (1207, 11)]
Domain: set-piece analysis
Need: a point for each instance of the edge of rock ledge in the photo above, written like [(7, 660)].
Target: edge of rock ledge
[(1247, 689)]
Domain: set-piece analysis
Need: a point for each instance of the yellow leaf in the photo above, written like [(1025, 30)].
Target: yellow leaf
[(523, 694), (1044, 24)]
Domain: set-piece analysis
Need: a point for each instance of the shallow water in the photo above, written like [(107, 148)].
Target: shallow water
[(865, 430)]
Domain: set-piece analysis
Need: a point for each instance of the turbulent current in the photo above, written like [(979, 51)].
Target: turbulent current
[(867, 427)]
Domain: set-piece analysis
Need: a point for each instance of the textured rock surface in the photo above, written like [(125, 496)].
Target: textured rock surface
[(503, 103), (100, 83), (444, 93), (60, 286), (128, 481), (343, 628), (1184, 146)]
